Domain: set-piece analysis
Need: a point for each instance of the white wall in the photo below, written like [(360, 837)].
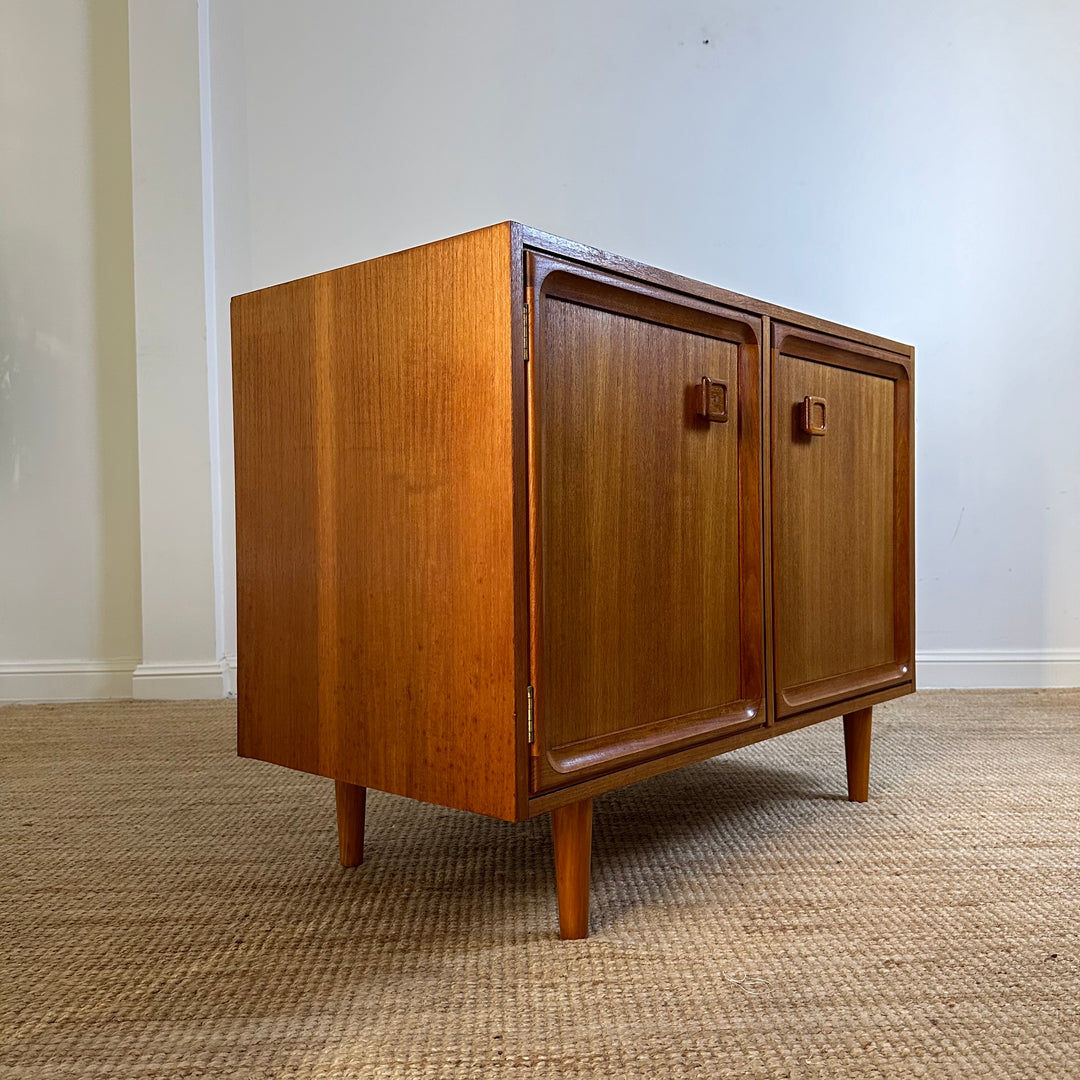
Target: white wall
[(179, 472), (911, 169), (110, 521), (69, 539)]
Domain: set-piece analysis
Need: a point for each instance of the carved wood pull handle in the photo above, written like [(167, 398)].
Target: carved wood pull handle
[(712, 400), (813, 415)]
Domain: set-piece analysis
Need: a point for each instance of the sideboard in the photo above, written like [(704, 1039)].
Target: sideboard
[(519, 522)]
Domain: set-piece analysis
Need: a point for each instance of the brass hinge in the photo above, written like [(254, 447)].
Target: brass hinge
[(530, 724), (526, 329)]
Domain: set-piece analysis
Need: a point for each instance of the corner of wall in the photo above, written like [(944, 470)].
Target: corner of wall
[(180, 681)]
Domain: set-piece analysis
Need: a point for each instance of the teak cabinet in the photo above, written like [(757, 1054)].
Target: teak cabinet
[(519, 522)]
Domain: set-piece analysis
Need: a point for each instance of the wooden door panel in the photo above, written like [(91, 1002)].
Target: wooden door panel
[(841, 574), (631, 514), (647, 640)]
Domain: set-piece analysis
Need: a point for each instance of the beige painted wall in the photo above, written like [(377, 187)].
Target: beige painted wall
[(69, 539)]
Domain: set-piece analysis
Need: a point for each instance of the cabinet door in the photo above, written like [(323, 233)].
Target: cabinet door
[(645, 519), (841, 519)]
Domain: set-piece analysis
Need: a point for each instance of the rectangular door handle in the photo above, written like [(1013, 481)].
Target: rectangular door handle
[(712, 400), (813, 415)]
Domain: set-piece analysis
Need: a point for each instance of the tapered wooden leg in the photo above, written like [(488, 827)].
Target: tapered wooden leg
[(857, 752), (571, 831), (351, 801)]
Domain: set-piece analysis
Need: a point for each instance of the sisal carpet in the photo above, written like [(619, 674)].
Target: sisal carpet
[(168, 910)]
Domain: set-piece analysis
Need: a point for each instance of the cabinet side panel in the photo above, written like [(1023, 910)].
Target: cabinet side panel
[(416, 479), (273, 393)]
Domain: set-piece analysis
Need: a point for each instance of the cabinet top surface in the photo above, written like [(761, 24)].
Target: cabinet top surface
[(536, 239), (527, 237)]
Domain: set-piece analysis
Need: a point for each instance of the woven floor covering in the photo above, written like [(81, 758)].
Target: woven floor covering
[(169, 910)]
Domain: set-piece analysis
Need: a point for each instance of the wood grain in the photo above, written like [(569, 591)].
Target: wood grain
[(571, 833), (840, 581), (546, 802), (351, 803), (649, 563), (766, 522), (520, 474), (636, 503), (857, 753), (274, 423), (815, 416), (376, 524), (396, 591)]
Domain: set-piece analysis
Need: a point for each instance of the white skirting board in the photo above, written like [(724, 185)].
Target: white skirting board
[(89, 680), (997, 670), (66, 680), (84, 680), (184, 680)]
